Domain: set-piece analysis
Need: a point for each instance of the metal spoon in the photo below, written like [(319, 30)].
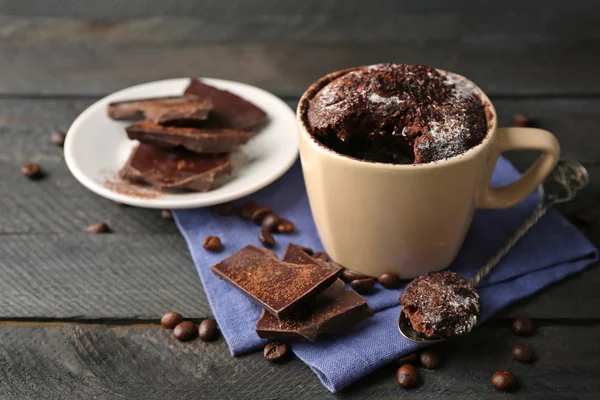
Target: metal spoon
[(564, 182)]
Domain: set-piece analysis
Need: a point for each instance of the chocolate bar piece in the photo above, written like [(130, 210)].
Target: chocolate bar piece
[(334, 309), (199, 140), (229, 110), (175, 168), (162, 109), (279, 287)]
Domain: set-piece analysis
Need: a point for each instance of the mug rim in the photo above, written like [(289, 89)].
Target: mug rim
[(314, 88)]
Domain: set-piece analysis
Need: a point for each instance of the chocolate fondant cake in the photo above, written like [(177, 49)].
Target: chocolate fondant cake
[(397, 113), (441, 304)]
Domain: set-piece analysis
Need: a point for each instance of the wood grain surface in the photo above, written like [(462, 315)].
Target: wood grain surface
[(79, 313)]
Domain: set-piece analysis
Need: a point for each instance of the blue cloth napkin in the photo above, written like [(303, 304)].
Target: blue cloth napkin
[(552, 250)]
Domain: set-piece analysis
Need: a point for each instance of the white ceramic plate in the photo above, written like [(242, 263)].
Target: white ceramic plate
[(97, 147)]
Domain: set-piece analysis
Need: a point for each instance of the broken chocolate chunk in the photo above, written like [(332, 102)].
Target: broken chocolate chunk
[(334, 310), (279, 287), (162, 109), (198, 140), (175, 168), (229, 110)]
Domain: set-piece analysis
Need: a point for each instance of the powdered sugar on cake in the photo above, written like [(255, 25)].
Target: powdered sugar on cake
[(441, 304), (398, 114)]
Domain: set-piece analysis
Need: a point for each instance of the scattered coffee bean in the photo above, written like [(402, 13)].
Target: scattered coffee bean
[(120, 204), (522, 326), (166, 214), (170, 320), (407, 376), (363, 285), (31, 170), (248, 209), (266, 238), (185, 331), (389, 281), (319, 255), (97, 227), (224, 208), (208, 331), (585, 215), (307, 250), (285, 226), (260, 214), (522, 120), (412, 358), (212, 243), (270, 222), (430, 359), (523, 353), (504, 380), (276, 351), (58, 138), (349, 276)]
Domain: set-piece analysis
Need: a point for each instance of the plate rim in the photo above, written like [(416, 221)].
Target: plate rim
[(157, 203)]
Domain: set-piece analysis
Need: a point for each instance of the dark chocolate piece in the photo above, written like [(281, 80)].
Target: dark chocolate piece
[(229, 110), (162, 109), (441, 304), (334, 309), (279, 287), (175, 168), (198, 140)]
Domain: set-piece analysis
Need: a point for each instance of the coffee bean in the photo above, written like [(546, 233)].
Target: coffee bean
[(505, 381), (522, 120), (412, 358), (120, 204), (349, 276), (523, 353), (58, 138), (212, 243), (307, 250), (31, 170), (285, 226), (224, 208), (259, 214), (319, 255), (248, 209), (170, 320), (266, 238), (270, 222), (185, 331), (362, 285), (389, 281), (276, 351), (585, 215), (166, 214), (208, 330), (522, 326), (407, 376), (98, 227), (430, 359)]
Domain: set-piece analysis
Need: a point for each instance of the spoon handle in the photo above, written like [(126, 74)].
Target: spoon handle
[(523, 229), (568, 175)]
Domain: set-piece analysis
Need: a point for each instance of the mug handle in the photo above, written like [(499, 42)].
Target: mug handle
[(519, 139)]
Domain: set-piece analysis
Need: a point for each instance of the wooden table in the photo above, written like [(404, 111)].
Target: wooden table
[(79, 313)]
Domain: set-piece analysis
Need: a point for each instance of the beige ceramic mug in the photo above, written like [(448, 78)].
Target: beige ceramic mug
[(375, 218)]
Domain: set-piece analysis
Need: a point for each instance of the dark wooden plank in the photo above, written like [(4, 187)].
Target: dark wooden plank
[(509, 55), (68, 362), (98, 276), (142, 276)]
